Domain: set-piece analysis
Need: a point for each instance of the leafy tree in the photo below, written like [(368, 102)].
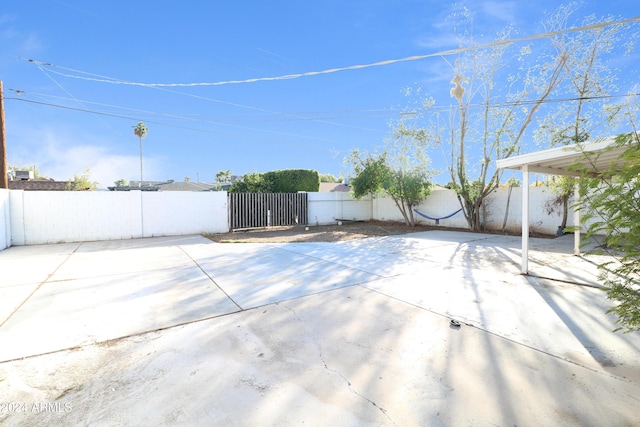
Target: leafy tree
[(121, 182), (81, 182), (511, 183), (483, 118), (250, 183), (589, 80), (140, 130), (611, 202), (400, 171), (613, 206), (223, 176), (371, 174), (563, 187), (327, 177), (451, 186)]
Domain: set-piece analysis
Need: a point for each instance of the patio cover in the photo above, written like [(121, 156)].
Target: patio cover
[(558, 161)]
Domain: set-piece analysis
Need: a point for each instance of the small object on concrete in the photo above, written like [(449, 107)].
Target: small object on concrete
[(339, 222), (306, 229), (455, 323)]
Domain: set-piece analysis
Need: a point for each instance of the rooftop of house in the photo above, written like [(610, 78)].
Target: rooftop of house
[(169, 185), (187, 186), (327, 187), (37, 184), (26, 180)]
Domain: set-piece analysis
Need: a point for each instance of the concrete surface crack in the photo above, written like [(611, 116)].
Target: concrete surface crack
[(49, 276), (352, 389), (495, 334), (291, 310), (211, 278), (316, 342)]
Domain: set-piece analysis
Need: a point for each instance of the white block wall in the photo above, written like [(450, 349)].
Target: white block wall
[(16, 213), (5, 219), (539, 219), (72, 216), (327, 208), (39, 217), (184, 212), (442, 202)]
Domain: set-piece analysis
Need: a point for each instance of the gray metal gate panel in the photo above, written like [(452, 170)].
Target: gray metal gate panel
[(252, 210)]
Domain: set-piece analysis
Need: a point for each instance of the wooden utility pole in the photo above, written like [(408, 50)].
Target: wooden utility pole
[(3, 145)]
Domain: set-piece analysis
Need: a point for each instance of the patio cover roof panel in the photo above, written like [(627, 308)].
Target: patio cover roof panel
[(558, 161)]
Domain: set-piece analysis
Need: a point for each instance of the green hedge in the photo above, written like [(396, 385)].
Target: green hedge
[(292, 180), (281, 181)]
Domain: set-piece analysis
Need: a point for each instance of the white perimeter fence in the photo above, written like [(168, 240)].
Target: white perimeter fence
[(41, 217)]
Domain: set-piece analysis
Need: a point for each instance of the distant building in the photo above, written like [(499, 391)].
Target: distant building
[(330, 187), (187, 186), (169, 185), (24, 180)]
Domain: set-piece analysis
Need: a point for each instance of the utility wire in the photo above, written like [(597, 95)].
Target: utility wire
[(120, 116), (379, 112), (111, 80), (296, 116), (254, 108), (164, 87), (75, 99), (40, 66), (359, 111)]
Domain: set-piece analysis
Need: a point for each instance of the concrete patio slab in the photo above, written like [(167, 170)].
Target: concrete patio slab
[(21, 265), (277, 275), (24, 269), (583, 311), (514, 308), (551, 258), (372, 360), (125, 256), (101, 308), (367, 258), (353, 333), (475, 251)]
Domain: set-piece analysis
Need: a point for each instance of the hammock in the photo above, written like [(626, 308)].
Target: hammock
[(437, 220)]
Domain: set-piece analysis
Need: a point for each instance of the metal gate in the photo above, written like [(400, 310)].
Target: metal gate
[(251, 210)]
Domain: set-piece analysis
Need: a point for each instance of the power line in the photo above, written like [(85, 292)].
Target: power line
[(189, 119), (296, 116), (324, 148), (380, 112), (291, 116), (112, 80), (74, 98), (101, 104), (233, 104), (252, 107), (119, 116), (528, 102), (366, 110)]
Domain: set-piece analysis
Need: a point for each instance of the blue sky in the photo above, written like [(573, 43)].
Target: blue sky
[(311, 122)]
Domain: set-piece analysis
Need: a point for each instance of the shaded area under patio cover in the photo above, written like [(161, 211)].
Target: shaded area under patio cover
[(601, 156)]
